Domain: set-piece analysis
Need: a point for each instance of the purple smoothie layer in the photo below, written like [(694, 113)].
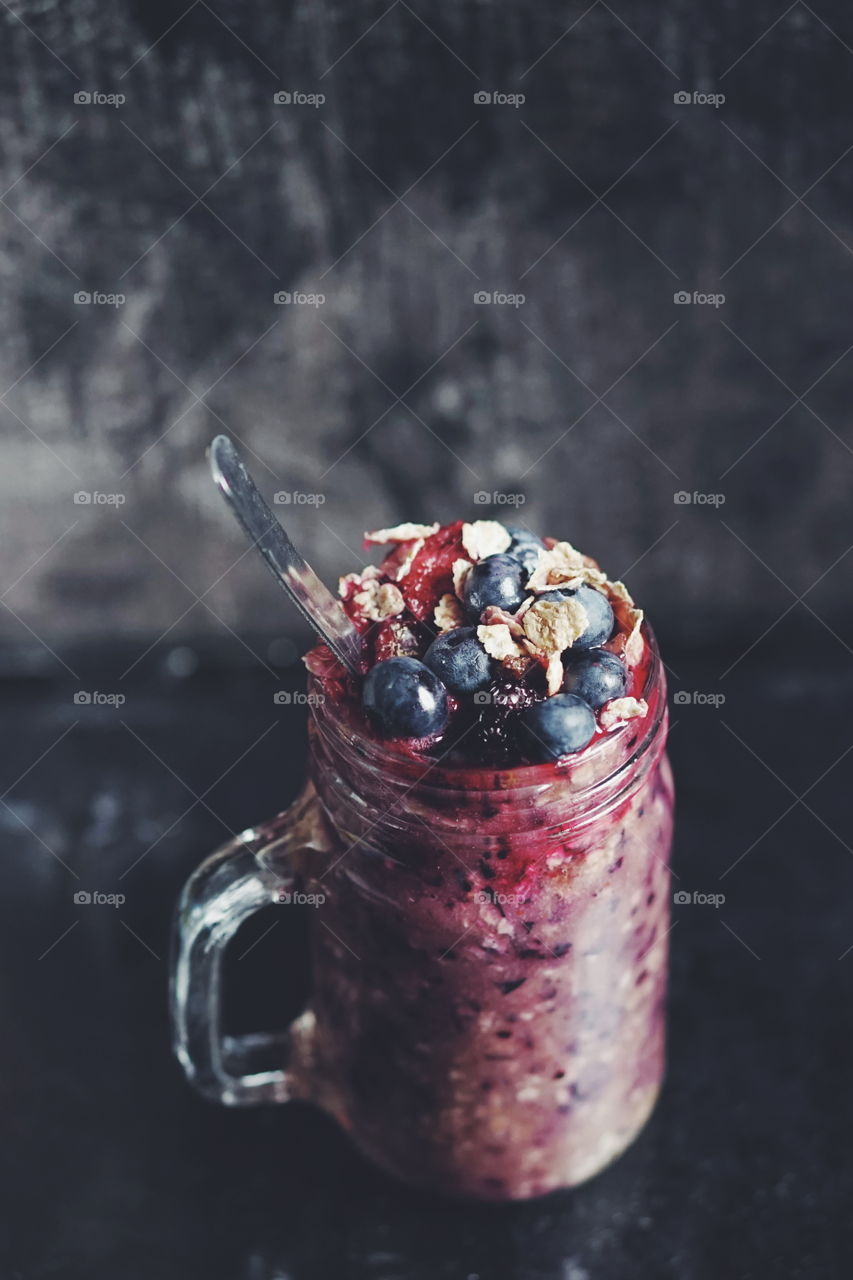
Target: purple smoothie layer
[(490, 1044), (490, 980), (490, 965)]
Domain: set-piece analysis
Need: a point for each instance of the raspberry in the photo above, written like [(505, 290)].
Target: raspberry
[(393, 638), (431, 573)]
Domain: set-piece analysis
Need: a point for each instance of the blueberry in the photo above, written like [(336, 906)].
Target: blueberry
[(557, 727), (598, 610), (525, 546), (406, 699), (595, 675), (496, 580), (458, 658)]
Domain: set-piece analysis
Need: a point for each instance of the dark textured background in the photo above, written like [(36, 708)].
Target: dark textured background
[(112, 1169), (598, 199), (198, 199)]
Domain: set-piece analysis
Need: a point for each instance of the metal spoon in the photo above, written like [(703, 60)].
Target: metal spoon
[(298, 579)]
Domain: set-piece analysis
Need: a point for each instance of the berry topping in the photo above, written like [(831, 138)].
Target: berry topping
[(497, 580), (503, 646), (525, 546), (595, 675), (430, 574), (458, 658), (406, 699), (496, 733), (598, 609), (395, 639), (557, 727)]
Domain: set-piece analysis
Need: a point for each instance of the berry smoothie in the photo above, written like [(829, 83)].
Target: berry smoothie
[(490, 967)]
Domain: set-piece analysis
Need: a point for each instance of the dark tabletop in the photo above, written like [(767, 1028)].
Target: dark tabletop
[(113, 1169)]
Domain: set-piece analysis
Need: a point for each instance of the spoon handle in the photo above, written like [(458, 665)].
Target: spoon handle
[(311, 596)]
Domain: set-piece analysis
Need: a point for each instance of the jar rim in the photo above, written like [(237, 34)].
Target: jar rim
[(384, 755)]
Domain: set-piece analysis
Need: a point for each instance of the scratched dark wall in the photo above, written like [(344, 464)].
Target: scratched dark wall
[(398, 198)]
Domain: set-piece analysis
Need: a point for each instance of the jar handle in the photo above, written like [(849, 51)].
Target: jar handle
[(248, 873)]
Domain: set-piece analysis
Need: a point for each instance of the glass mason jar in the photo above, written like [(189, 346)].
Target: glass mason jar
[(489, 954)]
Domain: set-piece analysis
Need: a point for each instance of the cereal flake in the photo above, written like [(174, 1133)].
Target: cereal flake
[(492, 615), (618, 710), (552, 626), (635, 644), (401, 533), (498, 642), (554, 674), (461, 569), (379, 600), (485, 538), (560, 565), (630, 621), (408, 560), (448, 613), (352, 582)]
